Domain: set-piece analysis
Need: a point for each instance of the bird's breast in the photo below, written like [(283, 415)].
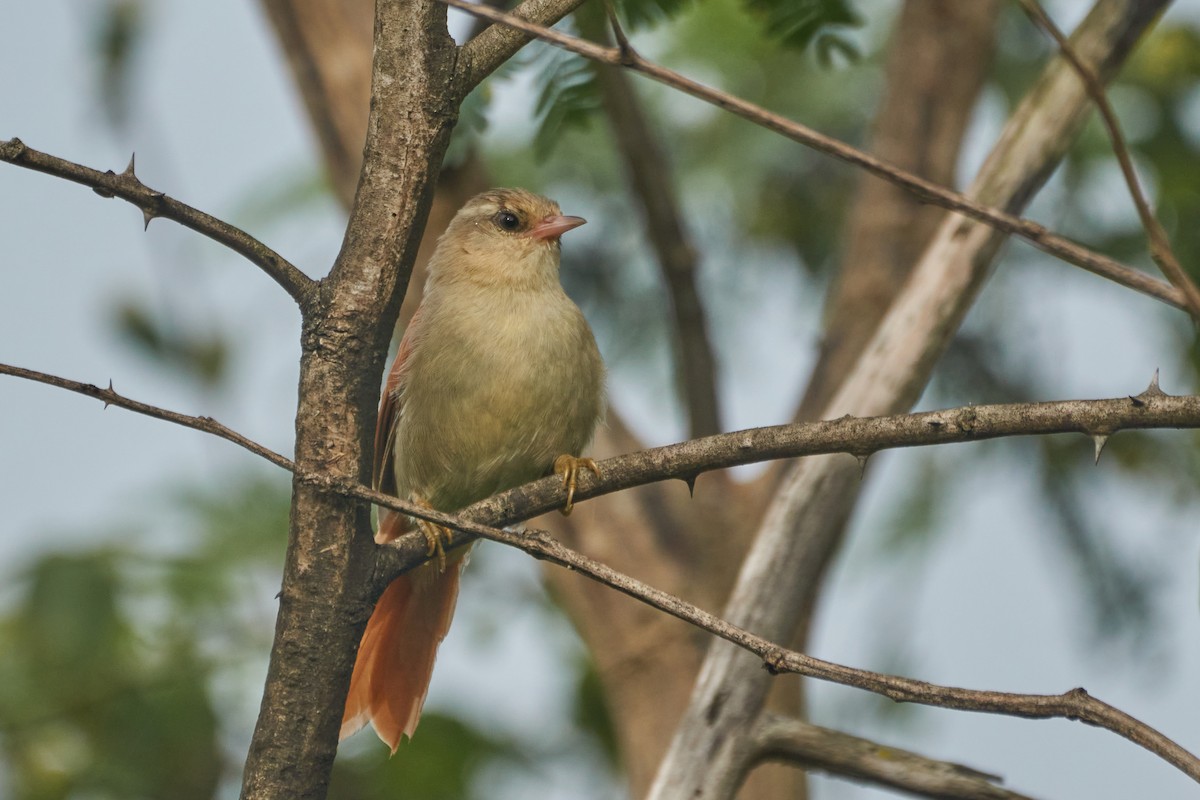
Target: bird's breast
[(489, 404)]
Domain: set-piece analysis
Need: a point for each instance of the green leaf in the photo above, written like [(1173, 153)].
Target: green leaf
[(472, 122), (438, 763), (201, 356), (568, 96), (118, 31), (801, 23), (636, 14)]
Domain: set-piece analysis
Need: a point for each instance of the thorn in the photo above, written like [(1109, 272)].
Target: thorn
[(129, 169), (147, 215), (1153, 390), (1100, 439), (862, 464), (111, 391), (691, 484)]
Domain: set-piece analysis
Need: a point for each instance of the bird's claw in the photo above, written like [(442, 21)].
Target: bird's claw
[(434, 535), (568, 467)]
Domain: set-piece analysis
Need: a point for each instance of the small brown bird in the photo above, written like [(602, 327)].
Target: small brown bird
[(497, 382)]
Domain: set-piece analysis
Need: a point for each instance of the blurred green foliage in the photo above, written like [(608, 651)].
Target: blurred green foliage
[(116, 662), (118, 28)]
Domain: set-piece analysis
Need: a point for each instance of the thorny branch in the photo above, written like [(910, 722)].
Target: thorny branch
[(1160, 244), (1151, 408), (859, 437), (924, 190), (129, 188)]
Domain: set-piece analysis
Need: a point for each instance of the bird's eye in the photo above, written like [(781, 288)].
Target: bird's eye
[(507, 220)]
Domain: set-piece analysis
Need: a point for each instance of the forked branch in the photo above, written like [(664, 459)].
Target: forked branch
[(1160, 243)]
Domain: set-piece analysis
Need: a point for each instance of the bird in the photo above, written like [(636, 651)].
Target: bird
[(497, 381)]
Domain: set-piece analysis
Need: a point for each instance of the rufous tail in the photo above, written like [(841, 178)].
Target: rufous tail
[(395, 658)]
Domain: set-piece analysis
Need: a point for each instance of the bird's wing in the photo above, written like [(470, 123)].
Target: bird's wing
[(384, 476)]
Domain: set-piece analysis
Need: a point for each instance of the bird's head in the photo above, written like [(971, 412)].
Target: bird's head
[(503, 236)]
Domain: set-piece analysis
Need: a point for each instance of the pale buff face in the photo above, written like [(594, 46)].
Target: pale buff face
[(503, 236)]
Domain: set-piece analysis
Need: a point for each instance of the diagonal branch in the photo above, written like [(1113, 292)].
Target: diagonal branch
[(1160, 244), (411, 550), (1075, 704), (775, 738), (924, 190), (126, 186)]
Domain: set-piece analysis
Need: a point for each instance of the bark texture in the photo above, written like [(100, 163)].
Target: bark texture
[(324, 601)]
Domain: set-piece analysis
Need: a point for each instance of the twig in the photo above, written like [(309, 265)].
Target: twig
[(410, 550), (813, 747), (924, 190), (648, 170), (1160, 244), (128, 187), (110, 397)]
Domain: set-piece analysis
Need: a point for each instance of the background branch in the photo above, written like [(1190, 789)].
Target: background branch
[(328, 45), (813, 747), (648, 171)]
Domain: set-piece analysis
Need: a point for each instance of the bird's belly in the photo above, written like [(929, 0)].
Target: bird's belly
[(494, 423)]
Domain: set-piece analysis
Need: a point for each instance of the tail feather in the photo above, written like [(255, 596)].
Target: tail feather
[(395, 658)]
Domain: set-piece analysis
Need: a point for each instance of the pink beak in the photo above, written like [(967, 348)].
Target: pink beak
[(552, 227)]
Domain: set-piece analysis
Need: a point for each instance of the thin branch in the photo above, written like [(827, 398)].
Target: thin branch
[(1160, 244), (110, 397), (484, 54), (856, 436), (126, 186), (649, 173), (924, 190), (810, 746), (410, 550), (1075, 704)]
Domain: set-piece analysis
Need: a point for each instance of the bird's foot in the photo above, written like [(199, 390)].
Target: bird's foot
[(435, 536), (568, 467)]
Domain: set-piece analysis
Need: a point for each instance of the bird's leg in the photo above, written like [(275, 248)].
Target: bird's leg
[(568, 467), (434, 535)]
